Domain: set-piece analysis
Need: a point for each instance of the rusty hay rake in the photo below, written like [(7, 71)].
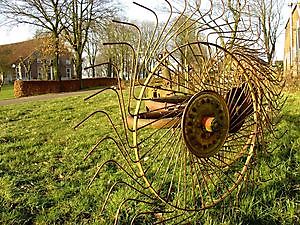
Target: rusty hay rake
[(199, 105)]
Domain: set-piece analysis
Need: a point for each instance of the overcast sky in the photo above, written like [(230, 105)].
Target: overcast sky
[(24, 32)]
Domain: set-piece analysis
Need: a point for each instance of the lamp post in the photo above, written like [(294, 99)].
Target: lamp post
[(14, 67)]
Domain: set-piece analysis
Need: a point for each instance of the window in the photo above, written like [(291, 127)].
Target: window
[(68, 72), (40, 72), (68, 62)]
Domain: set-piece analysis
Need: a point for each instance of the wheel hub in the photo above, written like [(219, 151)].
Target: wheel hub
[(205, 123)]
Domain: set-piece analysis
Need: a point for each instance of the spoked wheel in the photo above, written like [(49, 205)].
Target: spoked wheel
[(194, 139)]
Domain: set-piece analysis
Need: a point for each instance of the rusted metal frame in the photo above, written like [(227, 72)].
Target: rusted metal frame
[(155, 120)]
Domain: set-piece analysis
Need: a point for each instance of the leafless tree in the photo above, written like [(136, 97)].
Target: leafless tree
[(81, 16), (268, 16)]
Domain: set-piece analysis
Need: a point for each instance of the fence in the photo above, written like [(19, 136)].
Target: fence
[(29, 88)]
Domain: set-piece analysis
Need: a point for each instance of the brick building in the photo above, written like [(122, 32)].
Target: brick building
[(28, 61)]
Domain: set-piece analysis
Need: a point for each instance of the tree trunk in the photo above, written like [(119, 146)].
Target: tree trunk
[(78, 68), (56, 71)]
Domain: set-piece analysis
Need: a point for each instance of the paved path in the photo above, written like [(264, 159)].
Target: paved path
[(43, 97)]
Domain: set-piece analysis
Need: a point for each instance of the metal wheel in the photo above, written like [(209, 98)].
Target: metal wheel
[(194, 147), (195, 113)]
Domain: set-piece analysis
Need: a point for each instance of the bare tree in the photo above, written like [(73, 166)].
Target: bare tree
[(268, 14), (259, 18), (44, 14), (83, 16)]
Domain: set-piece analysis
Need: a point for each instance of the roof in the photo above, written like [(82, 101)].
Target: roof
[(10, 53)]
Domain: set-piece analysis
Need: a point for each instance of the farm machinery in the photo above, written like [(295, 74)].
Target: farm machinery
[(191, 126)]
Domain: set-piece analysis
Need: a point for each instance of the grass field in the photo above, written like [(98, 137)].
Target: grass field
[(43, 177), (7, 92)]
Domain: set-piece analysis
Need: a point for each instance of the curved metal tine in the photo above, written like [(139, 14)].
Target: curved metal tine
[(158, 39), (183, 221), (163, 33), (120, 149), (120, 182), (122, 109), (148, 213), (124, 202), (186, 28), (134, 60), (182, 27), (211, 20), (134, 63), (111, 122), (173, 70), (153, 33)]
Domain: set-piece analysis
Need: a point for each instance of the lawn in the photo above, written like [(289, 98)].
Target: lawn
[(44, 179), (7, 92)]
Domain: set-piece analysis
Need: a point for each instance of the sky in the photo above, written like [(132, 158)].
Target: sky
[(24, 32)]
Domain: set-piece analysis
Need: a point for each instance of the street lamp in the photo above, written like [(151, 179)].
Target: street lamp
[(14, 67)]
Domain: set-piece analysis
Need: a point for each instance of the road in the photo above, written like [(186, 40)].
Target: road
[(43, 97)]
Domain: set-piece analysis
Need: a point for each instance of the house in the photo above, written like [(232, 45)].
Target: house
[(29, 60), (291, 62)]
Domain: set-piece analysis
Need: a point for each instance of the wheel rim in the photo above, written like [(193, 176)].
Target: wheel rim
[(181, 175)]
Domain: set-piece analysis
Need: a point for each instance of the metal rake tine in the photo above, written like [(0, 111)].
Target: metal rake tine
[(96, 145)]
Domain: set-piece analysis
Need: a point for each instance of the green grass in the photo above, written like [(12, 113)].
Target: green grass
[(43, 177), (7, 92)]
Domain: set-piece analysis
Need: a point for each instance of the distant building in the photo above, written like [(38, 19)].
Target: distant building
[(291, 63), (28, 60)]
